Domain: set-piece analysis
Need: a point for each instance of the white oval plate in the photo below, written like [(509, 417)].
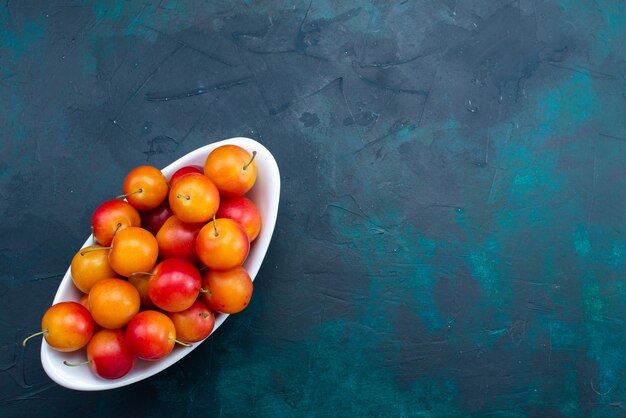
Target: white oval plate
[(265, 194)]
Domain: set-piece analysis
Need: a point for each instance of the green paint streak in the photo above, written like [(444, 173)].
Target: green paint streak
[(618, 255), (17, 42), (532, 174), (570, 391), (405, 275), (326, 9), (582, 243), (592, 298), (355, 382), (483, 266), (563, 335), (605, 20), (529, 181), (134, 20), (567, 107), (148, 19), (143, 32), (446, 16), (111, 11), (413, 267)]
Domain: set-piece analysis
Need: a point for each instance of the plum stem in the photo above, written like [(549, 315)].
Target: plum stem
[(205, 290), (88, 250), (139, 190), (45, 331), (117, 228), (215, 227), (204, 315), (182, 343), (251, 159), (84, 363), (141, 273)]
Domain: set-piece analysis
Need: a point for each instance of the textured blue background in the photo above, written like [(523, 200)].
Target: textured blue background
[(450, 238)]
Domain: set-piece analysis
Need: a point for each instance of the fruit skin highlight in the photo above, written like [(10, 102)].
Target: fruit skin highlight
[(194, 323), (177, 239), (194, 198), (66, 327), (108, 354), (244, 211), (232, 169), (222, 244), (145, 187), (184, 171), (227, 291), (175, 285), (113, 302), (89, 266), (151, 335), (133, 249), (111, 217)]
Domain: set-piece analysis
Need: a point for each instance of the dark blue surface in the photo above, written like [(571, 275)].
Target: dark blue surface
[(450, 238)]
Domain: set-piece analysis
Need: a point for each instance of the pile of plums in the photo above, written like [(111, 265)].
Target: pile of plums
[(166, 255)]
